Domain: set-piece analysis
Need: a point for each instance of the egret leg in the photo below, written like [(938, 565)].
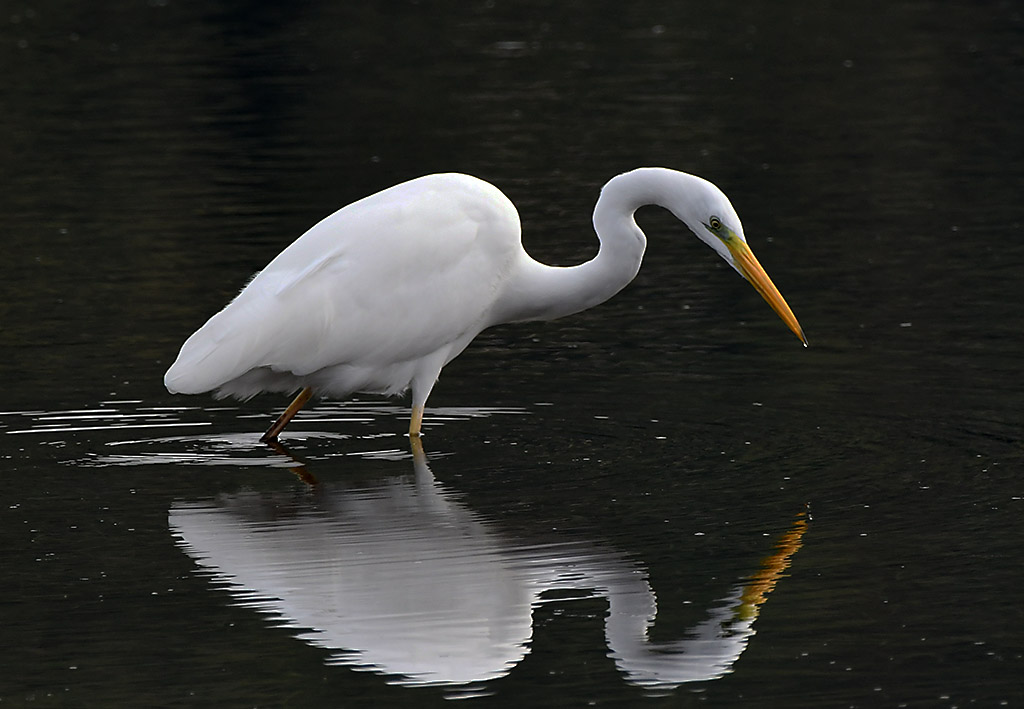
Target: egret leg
[(419, 458), (421, 385), (293, 408), (415, 422)]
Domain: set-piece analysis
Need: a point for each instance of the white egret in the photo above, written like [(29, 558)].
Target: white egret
[(382, 294)]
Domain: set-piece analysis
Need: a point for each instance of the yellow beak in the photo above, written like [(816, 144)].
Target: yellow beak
[(749, 267)]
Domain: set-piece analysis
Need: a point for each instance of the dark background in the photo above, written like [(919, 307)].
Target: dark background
[(157, 153)]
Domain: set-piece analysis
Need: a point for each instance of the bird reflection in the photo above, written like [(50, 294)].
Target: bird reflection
[(402, 579)]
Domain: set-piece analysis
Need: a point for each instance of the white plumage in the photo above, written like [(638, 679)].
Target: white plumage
[(349, 305), (383, 293)]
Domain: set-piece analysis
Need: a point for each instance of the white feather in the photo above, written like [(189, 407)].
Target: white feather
[(351, 306), (383, 293)]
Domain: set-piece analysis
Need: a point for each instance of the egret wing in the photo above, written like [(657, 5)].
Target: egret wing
[(388, 279)]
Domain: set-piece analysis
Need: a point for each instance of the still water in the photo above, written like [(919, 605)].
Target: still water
[(664, 501)]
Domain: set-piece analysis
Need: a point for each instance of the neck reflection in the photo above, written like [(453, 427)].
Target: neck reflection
[(402, 579)]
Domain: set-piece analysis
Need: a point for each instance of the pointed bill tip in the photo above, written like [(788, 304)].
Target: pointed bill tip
[(751, 269)]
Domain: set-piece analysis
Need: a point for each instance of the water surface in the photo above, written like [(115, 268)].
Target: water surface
[(665, 500)]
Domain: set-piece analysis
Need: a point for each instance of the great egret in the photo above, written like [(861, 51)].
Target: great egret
[(383, 293)]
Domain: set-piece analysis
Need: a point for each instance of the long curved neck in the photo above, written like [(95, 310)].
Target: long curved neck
[(540, 292)]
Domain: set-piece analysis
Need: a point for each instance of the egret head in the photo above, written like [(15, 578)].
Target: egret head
[(709, 214)]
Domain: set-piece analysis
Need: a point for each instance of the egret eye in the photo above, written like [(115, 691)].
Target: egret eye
[(715, 223)]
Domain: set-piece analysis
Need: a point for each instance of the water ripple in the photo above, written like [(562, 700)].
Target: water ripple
[(156, 435)]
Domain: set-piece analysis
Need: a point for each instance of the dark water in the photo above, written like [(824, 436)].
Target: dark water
[(662, 501)]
